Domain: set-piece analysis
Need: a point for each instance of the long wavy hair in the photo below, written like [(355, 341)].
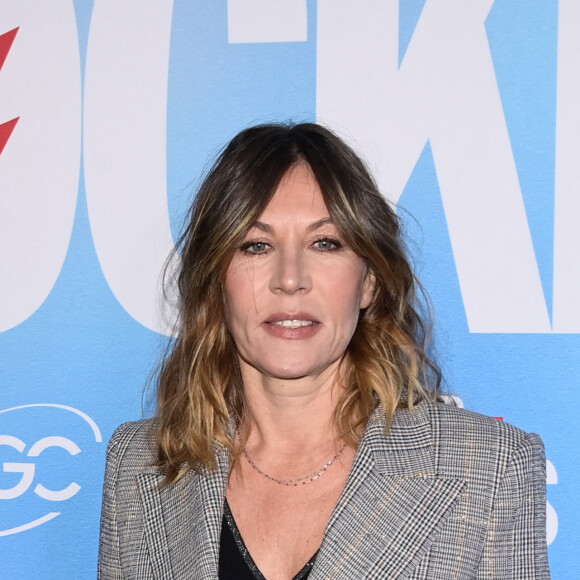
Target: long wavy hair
[(200, 387)]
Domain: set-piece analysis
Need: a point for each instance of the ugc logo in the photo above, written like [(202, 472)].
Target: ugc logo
[(41, 462)]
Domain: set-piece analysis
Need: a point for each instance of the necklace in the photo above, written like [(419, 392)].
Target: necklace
[(298, 480)]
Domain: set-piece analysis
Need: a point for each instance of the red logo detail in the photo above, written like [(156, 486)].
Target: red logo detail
[(5, 132), (6, 41), (6, 129)]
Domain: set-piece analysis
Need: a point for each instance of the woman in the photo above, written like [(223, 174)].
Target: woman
[(298, 431)]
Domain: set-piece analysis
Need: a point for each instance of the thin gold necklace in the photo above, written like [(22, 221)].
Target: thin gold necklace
[(298, 480)]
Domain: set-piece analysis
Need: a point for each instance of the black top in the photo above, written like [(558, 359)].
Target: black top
[(235, 562)]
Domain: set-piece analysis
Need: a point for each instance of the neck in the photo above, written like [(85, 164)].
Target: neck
[(285, 414)]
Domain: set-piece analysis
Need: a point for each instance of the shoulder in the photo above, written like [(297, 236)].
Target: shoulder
[(474, 443), (132, 446), (468, 428), (457, 443)]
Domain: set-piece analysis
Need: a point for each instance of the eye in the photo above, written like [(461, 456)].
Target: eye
[(255, 247), (327, 244)]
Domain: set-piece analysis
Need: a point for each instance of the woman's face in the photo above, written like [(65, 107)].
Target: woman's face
[(294, 289)]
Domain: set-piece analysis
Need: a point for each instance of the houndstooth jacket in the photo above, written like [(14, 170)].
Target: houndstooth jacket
[(447, 494)]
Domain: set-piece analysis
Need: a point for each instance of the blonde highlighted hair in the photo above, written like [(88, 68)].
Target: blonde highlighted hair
[(200, 388)]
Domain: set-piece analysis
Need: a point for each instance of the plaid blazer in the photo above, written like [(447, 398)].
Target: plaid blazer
[(447, 494)]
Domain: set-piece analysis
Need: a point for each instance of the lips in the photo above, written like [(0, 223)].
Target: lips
[(304, 318), (295, 325)]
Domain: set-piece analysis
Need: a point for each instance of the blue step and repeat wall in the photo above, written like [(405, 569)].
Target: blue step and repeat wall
[(467, 112)]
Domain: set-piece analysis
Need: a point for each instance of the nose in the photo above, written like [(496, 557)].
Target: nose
[(291, 272)]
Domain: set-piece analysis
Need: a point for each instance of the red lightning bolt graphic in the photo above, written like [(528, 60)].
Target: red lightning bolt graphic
[(6, 129)]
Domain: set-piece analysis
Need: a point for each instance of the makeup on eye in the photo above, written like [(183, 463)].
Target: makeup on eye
[(327, 244), (254, 247), (321, 244)]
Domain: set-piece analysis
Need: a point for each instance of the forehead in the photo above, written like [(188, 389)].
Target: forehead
[(298, 196)]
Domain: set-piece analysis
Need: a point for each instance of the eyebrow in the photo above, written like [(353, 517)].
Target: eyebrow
[(267, 228)]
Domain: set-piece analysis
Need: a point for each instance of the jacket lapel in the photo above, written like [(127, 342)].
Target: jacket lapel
[(393, 504), (183, 522)]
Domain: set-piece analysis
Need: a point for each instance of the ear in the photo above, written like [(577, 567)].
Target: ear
[(368, 289)]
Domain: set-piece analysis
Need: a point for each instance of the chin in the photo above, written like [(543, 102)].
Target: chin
[(285, 367), (287, 374), (288, 370)]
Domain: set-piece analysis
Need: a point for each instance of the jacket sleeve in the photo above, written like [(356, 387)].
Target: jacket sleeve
[(109, 566), (515, 547)]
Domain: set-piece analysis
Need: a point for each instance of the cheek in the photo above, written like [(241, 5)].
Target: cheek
[(241, 294), (352, 289), (345, 295), (232, 290)]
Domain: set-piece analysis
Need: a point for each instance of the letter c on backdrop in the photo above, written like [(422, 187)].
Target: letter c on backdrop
[(125, 153), (40, 87)]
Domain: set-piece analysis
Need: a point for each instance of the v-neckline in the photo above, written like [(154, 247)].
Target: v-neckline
[(245, 553)]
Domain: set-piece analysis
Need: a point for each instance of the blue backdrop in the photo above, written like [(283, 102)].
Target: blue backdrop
[(109, 113)]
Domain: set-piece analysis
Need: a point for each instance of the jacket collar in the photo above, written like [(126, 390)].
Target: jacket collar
[(391, 509)]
